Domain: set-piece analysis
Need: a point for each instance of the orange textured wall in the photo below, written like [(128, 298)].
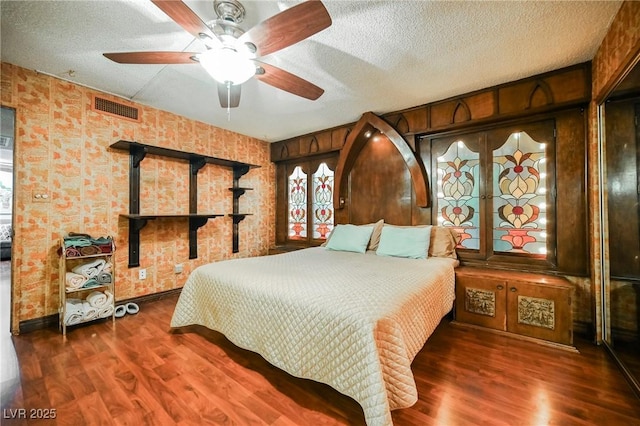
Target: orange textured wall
[(616, 52), (62, 149)]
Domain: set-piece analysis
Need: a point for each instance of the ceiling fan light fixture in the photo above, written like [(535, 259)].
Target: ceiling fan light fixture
[(226, 65)]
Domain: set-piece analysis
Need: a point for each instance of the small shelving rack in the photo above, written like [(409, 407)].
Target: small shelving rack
[(67, 263), (137, 152)]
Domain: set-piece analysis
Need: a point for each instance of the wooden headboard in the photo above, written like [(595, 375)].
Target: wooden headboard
[(379, 176)]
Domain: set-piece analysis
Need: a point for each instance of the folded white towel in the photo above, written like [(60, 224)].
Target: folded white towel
[(73, 312), (109, 297), (105, 311), (97, 299), (91, 269), (73, 305), (107, 268), (75, 281), (73, 318), (89, 312)]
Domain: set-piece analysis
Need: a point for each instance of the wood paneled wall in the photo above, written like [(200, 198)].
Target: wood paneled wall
[(561, 89), (379, 185)]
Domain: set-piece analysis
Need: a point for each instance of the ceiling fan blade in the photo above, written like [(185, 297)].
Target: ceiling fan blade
[(231, 98), (288, 82), (288, 27), (186, 18), (153, 57)]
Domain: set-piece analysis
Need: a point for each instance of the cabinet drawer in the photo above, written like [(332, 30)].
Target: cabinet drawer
[(540, 311), (481, 301)]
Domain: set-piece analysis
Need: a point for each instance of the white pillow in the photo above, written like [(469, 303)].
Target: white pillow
[(411, 241), (350, 238)]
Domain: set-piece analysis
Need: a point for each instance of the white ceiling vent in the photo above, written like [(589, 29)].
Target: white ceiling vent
[(115, 109)]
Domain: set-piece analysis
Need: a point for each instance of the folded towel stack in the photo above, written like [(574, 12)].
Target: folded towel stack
[(96, 305), (88, 275), (76, 245)]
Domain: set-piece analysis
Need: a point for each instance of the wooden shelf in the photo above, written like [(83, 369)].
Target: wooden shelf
[(171, 216), (144, 149), (137, 152), (88, 256), (98, 287), (239, 216)]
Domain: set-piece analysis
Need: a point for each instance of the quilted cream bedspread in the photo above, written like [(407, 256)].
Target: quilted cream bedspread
[(353, 321)]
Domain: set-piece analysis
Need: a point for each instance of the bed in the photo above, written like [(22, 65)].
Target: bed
[(352, 320)]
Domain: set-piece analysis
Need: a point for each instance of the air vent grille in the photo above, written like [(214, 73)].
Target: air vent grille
[(115, 108)]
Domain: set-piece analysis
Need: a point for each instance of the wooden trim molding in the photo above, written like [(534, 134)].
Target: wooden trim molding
[(365, 128), (52, 321)]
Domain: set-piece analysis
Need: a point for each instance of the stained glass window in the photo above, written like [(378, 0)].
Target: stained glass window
[(298, 204), (322, 201), (519, 196), (458, 187)]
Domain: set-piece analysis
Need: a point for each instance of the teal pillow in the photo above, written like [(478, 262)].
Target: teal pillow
[(409, 241), (350, 238)]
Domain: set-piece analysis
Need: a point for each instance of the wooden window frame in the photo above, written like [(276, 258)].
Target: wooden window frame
[(486, 141), (284, 169)]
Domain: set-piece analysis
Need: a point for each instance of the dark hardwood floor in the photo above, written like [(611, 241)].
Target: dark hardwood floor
[(138, 373)]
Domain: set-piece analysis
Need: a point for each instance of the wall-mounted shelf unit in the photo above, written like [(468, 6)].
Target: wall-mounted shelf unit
[(137, 153)]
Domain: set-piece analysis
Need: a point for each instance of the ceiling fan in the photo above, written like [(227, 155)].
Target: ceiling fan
[(231, 55)]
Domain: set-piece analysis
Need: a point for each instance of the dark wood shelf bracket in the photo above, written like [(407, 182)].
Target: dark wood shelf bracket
[(238, 191), (194, 224), (135, 226)]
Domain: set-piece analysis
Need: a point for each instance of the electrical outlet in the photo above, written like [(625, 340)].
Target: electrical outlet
[(177, 269), (142, 274)]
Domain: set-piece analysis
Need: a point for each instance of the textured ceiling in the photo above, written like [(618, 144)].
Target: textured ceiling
[(378, 56)]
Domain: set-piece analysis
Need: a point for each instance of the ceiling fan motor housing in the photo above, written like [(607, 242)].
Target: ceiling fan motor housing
[(229, 10)]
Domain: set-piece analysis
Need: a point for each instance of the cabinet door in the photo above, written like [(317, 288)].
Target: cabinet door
[(496, 189), (481, 301), (540, 310)]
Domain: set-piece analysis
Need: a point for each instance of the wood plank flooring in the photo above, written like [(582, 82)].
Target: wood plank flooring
[(137, 373)]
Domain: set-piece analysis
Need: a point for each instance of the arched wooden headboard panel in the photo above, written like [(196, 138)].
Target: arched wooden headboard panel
[(388, 164)]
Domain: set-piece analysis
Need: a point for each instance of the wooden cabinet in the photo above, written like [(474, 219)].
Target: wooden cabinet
[(533, 305), (87, 280)]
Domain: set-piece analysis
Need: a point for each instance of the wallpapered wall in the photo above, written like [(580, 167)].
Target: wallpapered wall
[(620, 43), (62, 150)]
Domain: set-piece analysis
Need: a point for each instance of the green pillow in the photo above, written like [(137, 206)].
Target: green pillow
[(411, 242), (350, 238)]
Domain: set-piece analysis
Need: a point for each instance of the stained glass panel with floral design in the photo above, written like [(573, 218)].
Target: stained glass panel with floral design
[(322, 201), (519, 196), (298, 204), (458, 189)]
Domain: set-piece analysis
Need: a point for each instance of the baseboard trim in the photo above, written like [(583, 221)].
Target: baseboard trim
[(519, 337), (51, 321)]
